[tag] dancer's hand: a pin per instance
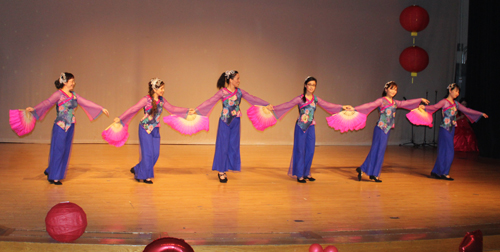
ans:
(425, 101)
(117, 120)
(422, 107)
(348, 108)
(270, 107)
(105, 111)
(192, 111)
(30, 109)
(485, 115)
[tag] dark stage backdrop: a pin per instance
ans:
(482, 73)
(115, 47)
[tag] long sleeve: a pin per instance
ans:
(329, 107)
(178, 111)
(206, 107)
(282, 109)
(91, 109)
(367, 108)
(40, 110)
(408, 104)
(473, 115)
(253, 99)
(433, 108)
(130, 113)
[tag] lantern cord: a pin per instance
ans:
(411, 80)
(413, 41)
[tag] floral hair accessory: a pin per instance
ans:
(62, 78)
(307, 78)
(229, 73)
(155, 83)
(451, 86)
(388, 84)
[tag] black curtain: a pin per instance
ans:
(483, 73)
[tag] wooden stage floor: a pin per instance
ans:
(259, 206)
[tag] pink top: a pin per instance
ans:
(145, 103)
(223, 94)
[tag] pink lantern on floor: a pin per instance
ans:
(66, 222)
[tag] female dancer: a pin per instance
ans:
(305, 134)
(227, 146)
(149, 133)
(63, 130)
(447, 129)
(387, 106)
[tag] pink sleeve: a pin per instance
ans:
(40, 110)
(178, 111)
(473, 115)
(433, 108)
(91, 109)
(253, 99)
(206, 107)
(329, 107)
(367, 108)
(130, 113)
(282, 109)
(408, 104)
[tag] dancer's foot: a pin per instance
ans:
(375, 179)
(310, 178)
(222, 177)
(301, 180)
(132, 170)
(447, 177)
(434, 175)
(358, 170)
(45, 173)
(55, 182)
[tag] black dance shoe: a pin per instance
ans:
(375, 179)
(45, 173)
(434, 175)
(132, 170)
(310, 178)
(301, 180)
(55, 183)
(222, 180)
(145, 181)
(358, 170)
(447, 178)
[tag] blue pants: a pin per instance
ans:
(60, 149)
(373, 162)
(446, 152)
(150, 151)
(227, 147)
(303, 152)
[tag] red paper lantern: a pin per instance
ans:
(66, 222)
(414, 59)
(168, 244)
(414, 19)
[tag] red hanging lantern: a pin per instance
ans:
(414, 59)
(414, 19)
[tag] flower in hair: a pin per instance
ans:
(451, 86)
(155, 83)
(388, 84)
(229, 73)
(62, 78)
(307, 78)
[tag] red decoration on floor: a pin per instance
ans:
(472, 242)
(66, 222)
(414, 19)
(168, 244)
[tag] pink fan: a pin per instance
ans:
(419, 116)
(116, 134)
(21, 121)
(347, 120)
(191, 125)
(261, 117)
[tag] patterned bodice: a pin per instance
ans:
(449, 116)
(387, 115)
(306, 113)
(66, 110)
(231, 106)
(150, 121)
